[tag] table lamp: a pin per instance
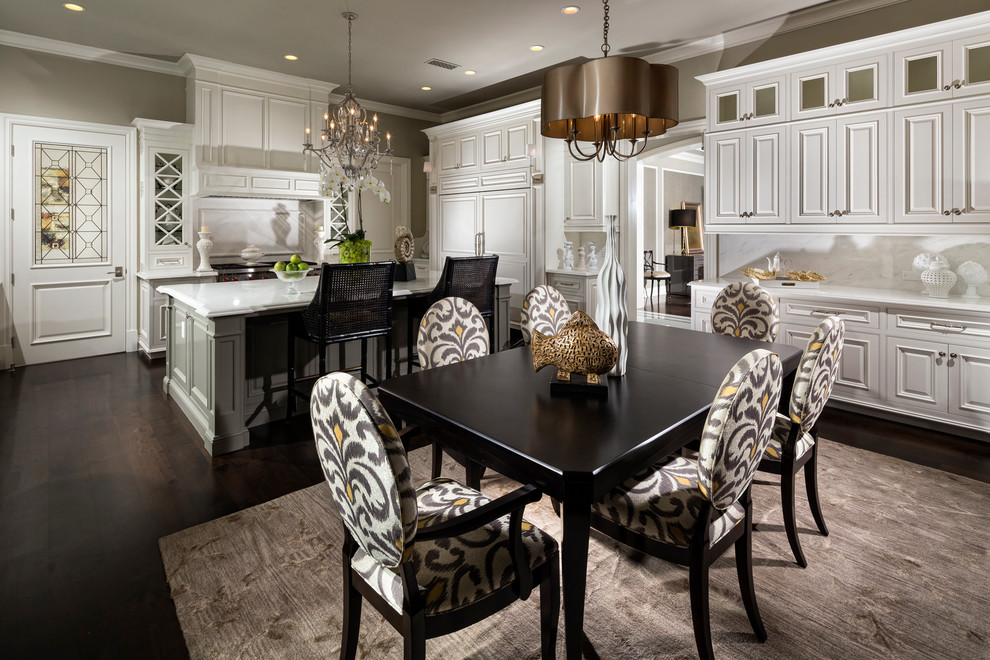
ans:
(682, 219)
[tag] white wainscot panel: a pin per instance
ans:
(70, 310)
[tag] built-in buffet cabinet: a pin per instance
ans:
(879, 135)
(486, 194)
(591, 192)
(904, 353)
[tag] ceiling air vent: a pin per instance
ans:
(442, 64)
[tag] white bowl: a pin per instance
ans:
(251, 255)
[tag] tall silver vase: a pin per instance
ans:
(610, 313)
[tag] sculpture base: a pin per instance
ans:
(405, 272)
(579, 385)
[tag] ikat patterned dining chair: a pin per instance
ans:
(543, 309)
(432, 559)
(794, 444)
(743, 309)
(689, 512)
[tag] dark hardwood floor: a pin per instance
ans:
(664, 304)
(96, 465)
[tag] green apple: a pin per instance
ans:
(279, 265)
(291, 267)
(302, 265)
(295, 258)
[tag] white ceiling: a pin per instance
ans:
(392, 38)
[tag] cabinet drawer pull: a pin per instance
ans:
(947, 326)
(825, 312)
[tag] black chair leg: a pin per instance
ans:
(437, 460)
(698, 579)
(410, 343)
(550, 611)
(787, 478)
(473, 472)
(811, 484)
(364, 361)
(352, 617)
(744, 569)
(414, 637)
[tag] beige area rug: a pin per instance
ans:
(904, 574)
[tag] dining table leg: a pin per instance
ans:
(574, 568)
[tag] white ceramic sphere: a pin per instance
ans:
(972, 272)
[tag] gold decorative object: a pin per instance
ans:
(580, 348)
(805, 276)
(758, 273)
(404, 245)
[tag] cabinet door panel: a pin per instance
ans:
(861, 169)
(491, 148)
(582, 191)
(243, 125)
(969, 384)
(766, 175)
(859, 368)
(447, 155)
(468, 151)
(916, 374)
(921, 74)
(724, 153)
(517, 143)
(812, 150)
(286, 122)
(971, 58)
(457, 225)
(812, 94)
(922, 164)
(863, 84)
(971, 161)
(505, 221)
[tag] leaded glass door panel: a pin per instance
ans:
(69, 199)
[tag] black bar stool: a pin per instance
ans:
(352, 301)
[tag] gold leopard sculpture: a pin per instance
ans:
(580, 347)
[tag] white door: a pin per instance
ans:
(69, 201)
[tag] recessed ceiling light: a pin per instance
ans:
(291, 58)
(426, 88)
(469, 72)
(570, 9)
(536, 47)
(74, 7)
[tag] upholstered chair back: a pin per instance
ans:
(543, 309)
(738, 427)
(364, 463)
(745, 310)
(452, 330)
(817, 372)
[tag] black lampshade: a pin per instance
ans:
(683, 218)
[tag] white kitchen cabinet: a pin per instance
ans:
(840, 167)
(852, 86)
(746, 176)
(941, 157)
(165, 215)
(153, 310)
(579, 288)
(740, 105)
(506, 146)
(591, 191)
(941, 70)
(458, 154)
(939, 377)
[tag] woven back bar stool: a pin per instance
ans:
(352, 302)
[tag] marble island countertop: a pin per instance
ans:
(216, 299)
(868, 295)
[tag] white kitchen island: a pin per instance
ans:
(226, 349)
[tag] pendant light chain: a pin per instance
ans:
(605, 46)
(350, 22)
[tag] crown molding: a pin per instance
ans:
(799, 20)
(88, 53)
(502, 102)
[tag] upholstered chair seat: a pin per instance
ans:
(452, 573)
(543, 309)
(743, 309)
(781, 429)
(663, 502)
(432, 559)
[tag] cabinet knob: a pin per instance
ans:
(953, 355)
(831, 215)
(941, 353)
(838, 214)
(831, 105)
(947, 87)
(946, 212)
(957, 84)
(956, 212)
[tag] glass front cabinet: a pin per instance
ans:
(747, 104)
(942, 70)
(846, 87)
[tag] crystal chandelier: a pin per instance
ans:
(350, 145)
(607, 100)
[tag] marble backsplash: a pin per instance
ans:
(275, 226)
(857, 261)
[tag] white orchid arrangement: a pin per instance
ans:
(334, 182)
(927, 261)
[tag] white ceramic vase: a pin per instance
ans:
(610, 313)
(938, 281)
(205, 246)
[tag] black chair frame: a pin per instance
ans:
(413, 622)
(787, 467)
(650, 265)
(698, 557)
(344, 308)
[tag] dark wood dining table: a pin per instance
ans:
(495, 410)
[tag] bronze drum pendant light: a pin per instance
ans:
(608, 100)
